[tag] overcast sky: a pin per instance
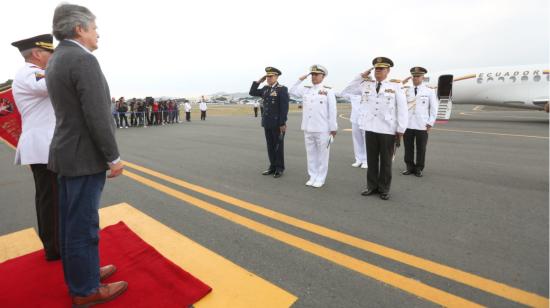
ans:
(189, 48)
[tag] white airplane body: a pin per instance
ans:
(524, 86)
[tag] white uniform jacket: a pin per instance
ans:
(385, 112)
(318, 107)
(422, 107)
(37, 115)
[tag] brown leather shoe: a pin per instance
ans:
(104, 293)
(106, 271)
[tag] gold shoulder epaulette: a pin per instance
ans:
(395, 80)
(327, 87)
(309, 87)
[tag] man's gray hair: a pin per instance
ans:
(67, 17)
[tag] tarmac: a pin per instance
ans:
(473, 230)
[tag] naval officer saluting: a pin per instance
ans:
(384, 123)
(274, 116)
(38, 123)
(318, 122)
(423, 106)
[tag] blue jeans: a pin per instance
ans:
(79, 231)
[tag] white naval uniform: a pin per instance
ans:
(202, 107)
(187, 107)
(37, 115)
(318, 120)
(422, 107)
(385, 112)
(357, 134)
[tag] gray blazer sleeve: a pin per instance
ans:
(93, 91)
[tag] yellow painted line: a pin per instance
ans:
(487, 285)
(347, 129)
(398, 281)
(232, 286)
(489, 133)
(19, 243)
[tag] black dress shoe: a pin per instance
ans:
(277, 174)
(368, 192)
(406, 172)
(384, 196)
(418, 173)
(268, 172)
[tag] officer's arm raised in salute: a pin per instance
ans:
(354, 87)
(298, 89)
(254, 91)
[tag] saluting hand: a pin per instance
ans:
(115, 169)
(366, 73)
(304, 77)
(406, 80)
(262, 79)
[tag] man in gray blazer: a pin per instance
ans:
(83, 148)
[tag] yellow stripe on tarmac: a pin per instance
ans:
(487, 285)
(489, 133)
(18, 243)
(232, 286)
(398, 281)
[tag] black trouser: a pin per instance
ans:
(140, 118)
(203, 114)
(123, 116)
(409, 137)
(188, 116)
(380, 149)
(255, 112)
(275, 149)
(47, 209)
(133, 119)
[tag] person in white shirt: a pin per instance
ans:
(357, 134)
(423, 105)
(187, 107)
(318, 122)
(385, 122)
(38, 123)
(203, 108)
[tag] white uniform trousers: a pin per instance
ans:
(359, 144)
(317, 155)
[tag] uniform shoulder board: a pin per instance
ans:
(309, 87)
(327, 87)
(406, 87)
(395, 80)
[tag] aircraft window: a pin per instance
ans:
(524, 78)
(501, 79)
(490, 79)
(480, 80)
(547, 77)
(536, 78)
(513, 78)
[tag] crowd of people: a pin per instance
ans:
(148, 112)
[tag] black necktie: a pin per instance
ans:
(378, 87)
(415, 91)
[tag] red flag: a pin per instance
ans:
(10, 119)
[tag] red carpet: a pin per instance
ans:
(153, 281)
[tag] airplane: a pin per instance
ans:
(523, 86)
